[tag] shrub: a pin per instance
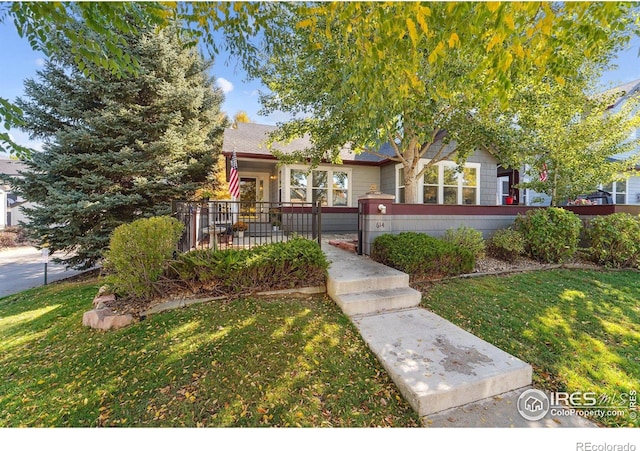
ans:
(466, 238)
(615, 240)
(240, 226)
(421, 256)
(138, 254)
(550, 234)
(297, 262)
(506, 244)
(7, 239)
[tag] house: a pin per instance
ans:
(262, 179)
(10, 203)
(622, 192)
(626, 191)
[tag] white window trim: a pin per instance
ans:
(614, 191)
(286, 182)
(441, 165)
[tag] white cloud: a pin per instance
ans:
(224, 84)
(39, 62)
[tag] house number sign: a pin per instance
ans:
(380, 225)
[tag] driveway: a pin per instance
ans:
(22, 268)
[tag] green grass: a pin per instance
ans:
(250, 362)
(580, 330)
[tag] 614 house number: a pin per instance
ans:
(380, 225)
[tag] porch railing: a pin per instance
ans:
(228, 224)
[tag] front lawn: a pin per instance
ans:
(580, 330)
(250, 362)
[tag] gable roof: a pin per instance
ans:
(11, 167)
(249, 140)
(623, 92)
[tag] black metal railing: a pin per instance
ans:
(228, 224)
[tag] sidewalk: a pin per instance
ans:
(22, 268)
(449, 376)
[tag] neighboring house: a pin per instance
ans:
(10, 203)
(622, 192)
(626, 191)
(340, 185)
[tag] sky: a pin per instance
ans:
(19, 62)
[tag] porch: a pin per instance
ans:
(210, 224)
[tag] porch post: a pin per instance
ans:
(3, 209)
(374, 210)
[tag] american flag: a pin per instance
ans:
(234, 182)
(544, 174)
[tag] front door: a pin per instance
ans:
(253, 189)
(503, 189)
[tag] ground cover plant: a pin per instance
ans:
(250, 362)
(580, 330)
(288, 264)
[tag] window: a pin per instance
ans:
(319, 187)
(443, 184)
(431, 182)
(469, 186)
(298, 186)
(618, 191)
(450, 185)
(400, 183)
(330, 186)
(340, 197)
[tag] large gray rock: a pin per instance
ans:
(105, 319)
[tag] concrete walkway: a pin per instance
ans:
(449, 376)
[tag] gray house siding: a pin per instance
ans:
(633, 193)
(362, 179)
(388, 179)
(488, 174)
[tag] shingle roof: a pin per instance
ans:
(250, 138)
(11, 167)
(623, 91)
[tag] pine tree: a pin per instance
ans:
(118, 148)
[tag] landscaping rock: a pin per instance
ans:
(105, 319)
(100, 300)
(103, 290)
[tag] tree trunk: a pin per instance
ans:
(554, 187)
(411, 185)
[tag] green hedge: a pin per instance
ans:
(506, 244)
(138, 255)
(551, 234)
(297, 262)
(421, 256)
(466, 238)
(615, 240)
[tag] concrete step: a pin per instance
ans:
(368, 302)
(351, 273)
(435, 364)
